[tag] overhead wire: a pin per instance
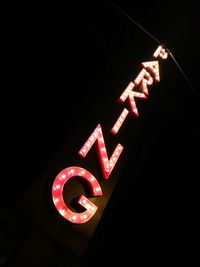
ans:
(157, 41)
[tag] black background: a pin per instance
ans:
(65, 68)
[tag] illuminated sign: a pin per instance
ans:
(146, 77)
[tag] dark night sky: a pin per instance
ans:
(54, 59)
(65, 68)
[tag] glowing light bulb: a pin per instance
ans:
(73, 218)
(97, 189)
(92, 209)
(56, 200)
(62, 212)
(83, 201)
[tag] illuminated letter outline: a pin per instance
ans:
(57, 194)
(106, 164)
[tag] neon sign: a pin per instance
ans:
(143, 80)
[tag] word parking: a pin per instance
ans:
(148, 74)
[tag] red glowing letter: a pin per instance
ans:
(160, 52)
(106, 165)
(145, 79)
(57, 190)
(153, 66)
(119, 121)
(130, 94)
